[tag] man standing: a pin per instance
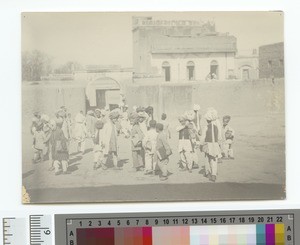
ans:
(110, 139)
(211, 146)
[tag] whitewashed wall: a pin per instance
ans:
(178, 64)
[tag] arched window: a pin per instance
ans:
(190, 68)
(214, 69)
(166, 70)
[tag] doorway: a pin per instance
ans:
(245, 74)
(214, 69)
(166, 71)
(100, 98)
(190, 71)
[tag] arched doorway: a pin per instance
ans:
(103, 92)
(214, 69)
(190, 68)
(166, 71)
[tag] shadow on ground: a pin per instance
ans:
(27, 174)
(160, 192)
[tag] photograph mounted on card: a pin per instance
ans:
(153, 106)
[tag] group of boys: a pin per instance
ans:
(51, 140)
(213, 140)
(149, 139)
(149, 143)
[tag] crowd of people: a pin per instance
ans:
(197, 135)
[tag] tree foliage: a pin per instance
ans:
(35, 64)
(68, 68)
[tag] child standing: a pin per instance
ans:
(165, 123)
(149, 144)
(137, 136)
(163, 151)
(228, 136)
(194, 138)
(47, 135)
(60, 153)
(90, 124)
(211, 146)
(98, 146)
(80, 132)
(185, 147)
(38, 142)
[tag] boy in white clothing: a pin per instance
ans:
(98, 145)
(149, 144)
(38, 143)
(228, 136)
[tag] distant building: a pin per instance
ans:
(271, 61)
(182, 50)
(246, 67)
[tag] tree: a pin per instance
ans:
(68, 68)
(35, 64)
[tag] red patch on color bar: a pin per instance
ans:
(96, 236)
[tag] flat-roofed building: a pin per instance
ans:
(181, 50)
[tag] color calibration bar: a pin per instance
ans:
(255, 229)
(270, 234)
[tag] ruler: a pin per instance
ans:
(40, 227)
(33, 230)
(14, 230)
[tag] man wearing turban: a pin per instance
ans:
(110, 138)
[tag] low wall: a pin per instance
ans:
(48, 99)
(236, 98)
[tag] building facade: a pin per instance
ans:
(246, 67)
(182, 50)
(271, 61)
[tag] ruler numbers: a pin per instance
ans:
(173, 221)
(40, 227)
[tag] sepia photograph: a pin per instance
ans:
(153, 106)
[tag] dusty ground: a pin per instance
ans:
(259, 165)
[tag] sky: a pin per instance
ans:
(106, 38)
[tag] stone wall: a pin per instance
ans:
(271, 61)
